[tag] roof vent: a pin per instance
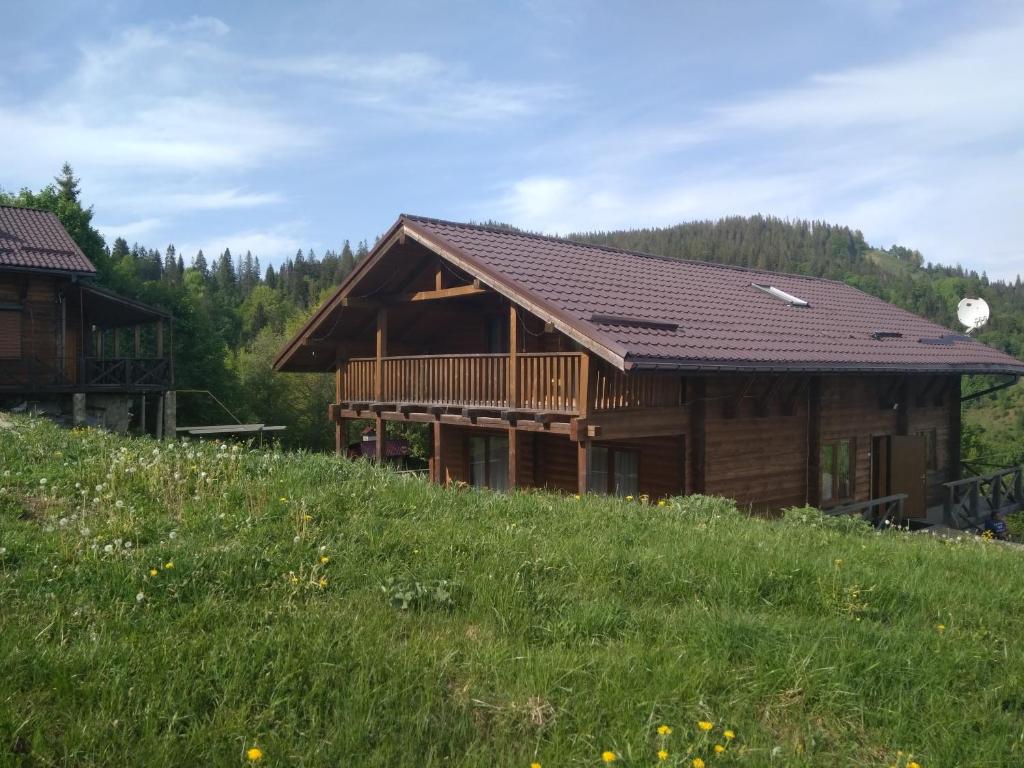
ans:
(879, 335)
(781, 295)
(635, 322)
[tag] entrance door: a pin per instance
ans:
(909, 462)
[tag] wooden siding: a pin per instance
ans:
(758, 460)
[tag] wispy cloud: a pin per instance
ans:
(906, 150)
(271, 245)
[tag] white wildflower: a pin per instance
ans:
(3, 551)
(108, 548)
(42, 481)
(140, 597)
(297, 539)
(63, 522)
(119, 504)
(173, 535)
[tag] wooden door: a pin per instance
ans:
(909, 463)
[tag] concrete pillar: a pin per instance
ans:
(78, 409)
(171, 415)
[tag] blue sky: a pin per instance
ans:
(274, 126)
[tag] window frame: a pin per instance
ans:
(491, 453)
(834, 447)
(610, 470)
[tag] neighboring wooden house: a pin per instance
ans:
(66, 343)
(542, 362)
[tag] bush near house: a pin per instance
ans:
(203, 604)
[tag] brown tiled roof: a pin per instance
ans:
(34, 239)
(663, 312)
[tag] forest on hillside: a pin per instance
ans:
(232, 315)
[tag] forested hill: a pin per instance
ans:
(897, 274)
(233, 314)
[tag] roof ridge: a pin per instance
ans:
(611, 248)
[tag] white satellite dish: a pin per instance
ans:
(972, 313)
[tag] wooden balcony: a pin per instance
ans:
(552, 388)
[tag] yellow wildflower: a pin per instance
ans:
(663, 754)
(730, 735)
(661, 502)
(913, 764)
(940, 627)
(255, 754)
(322, 582)
(629, 498)
(608, 756)
(577, 497)
(169, 565)
(664, 730)
(719, 749)
(152, 571)
(307, 518)
(282, 499)
(839, 562)
(534, 765)
(697, 763)
(325, 559)
(704, 725)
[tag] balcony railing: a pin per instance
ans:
(541, 382)
(557, 382)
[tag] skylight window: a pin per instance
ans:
(781, 295)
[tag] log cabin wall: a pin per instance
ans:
(756, 453)
(859, 408)
(39, 319)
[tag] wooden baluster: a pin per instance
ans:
(583, 399)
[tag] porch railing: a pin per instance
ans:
(969, 502)
(126, 373)
(879, 512)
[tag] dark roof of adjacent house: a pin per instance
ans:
(653, 312)
(36, 240)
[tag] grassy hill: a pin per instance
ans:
(180, 604)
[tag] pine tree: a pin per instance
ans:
(200, 265)
(67, 184)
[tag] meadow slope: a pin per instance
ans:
(180, 604)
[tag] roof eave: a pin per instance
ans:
(735, 366)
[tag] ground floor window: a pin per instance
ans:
(488, 462)
(614, 471)
(837, 471)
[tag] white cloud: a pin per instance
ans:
(210, 24)
(129, 230)
(271, 245)
(923, 151)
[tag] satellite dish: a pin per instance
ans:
(972, 313)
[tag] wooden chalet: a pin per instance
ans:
(68, 343)
(541, 362)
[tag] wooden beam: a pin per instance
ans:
(513, 458)
(439, 276)
(356, 302)
(582, 462)
(513, 355)
(380, 432)
(698, 437)
(473, 289)
(438, 466)
(584, 396)
(340, 428)
(814, 442)
(382, 351)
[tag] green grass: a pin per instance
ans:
(539, 627)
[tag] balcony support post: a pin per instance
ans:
(582, 464)
(380, 434)
(340, 425)
(438, 465)
(513, 358)
(583, 403)
(382, 351)
(513, 458)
